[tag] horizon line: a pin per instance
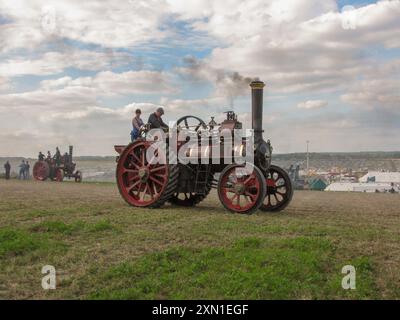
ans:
(277, 153)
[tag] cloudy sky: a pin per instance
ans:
(72, 72)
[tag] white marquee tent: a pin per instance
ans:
(382, 177)
(358, 187)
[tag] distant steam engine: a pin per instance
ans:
(57, 168)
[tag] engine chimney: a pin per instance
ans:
(257, 88)
(70, 152)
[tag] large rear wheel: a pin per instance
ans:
(41, 170)
(142, 183)
(241, 190)
(279, 190)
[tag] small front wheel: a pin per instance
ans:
(241, 189)
(279, 190)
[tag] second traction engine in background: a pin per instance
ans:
(57, 169)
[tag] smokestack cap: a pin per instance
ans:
(257, 85)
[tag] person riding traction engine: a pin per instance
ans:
(137, 124)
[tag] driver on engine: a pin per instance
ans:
(155, 120)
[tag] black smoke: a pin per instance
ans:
(230, 84)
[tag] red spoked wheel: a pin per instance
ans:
(58, 175)
(241, 190)
(142, 183)
(279, 190)
(41, 170)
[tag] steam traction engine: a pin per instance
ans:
(57, 169)
(142, 183)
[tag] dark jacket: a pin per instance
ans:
(156, 122)
(7, 166)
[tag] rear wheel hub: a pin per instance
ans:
(143, 174)
(240, 188)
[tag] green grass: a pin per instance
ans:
(60, 227)
(102, 225)
(102, 248)
(252, 268)
(14, 242)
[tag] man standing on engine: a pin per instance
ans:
(57, 157)
(156, 121)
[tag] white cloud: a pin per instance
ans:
(34, 101)
(42, 120)
(55, 62)
(312, 104)
(248, 20)
(106, 23)
(108, 83)
(66, 111)
(4, 84)
(19, 33)
(295, 45)
(134, 82)
(375, 93)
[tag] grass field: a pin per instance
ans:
(102, 249)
